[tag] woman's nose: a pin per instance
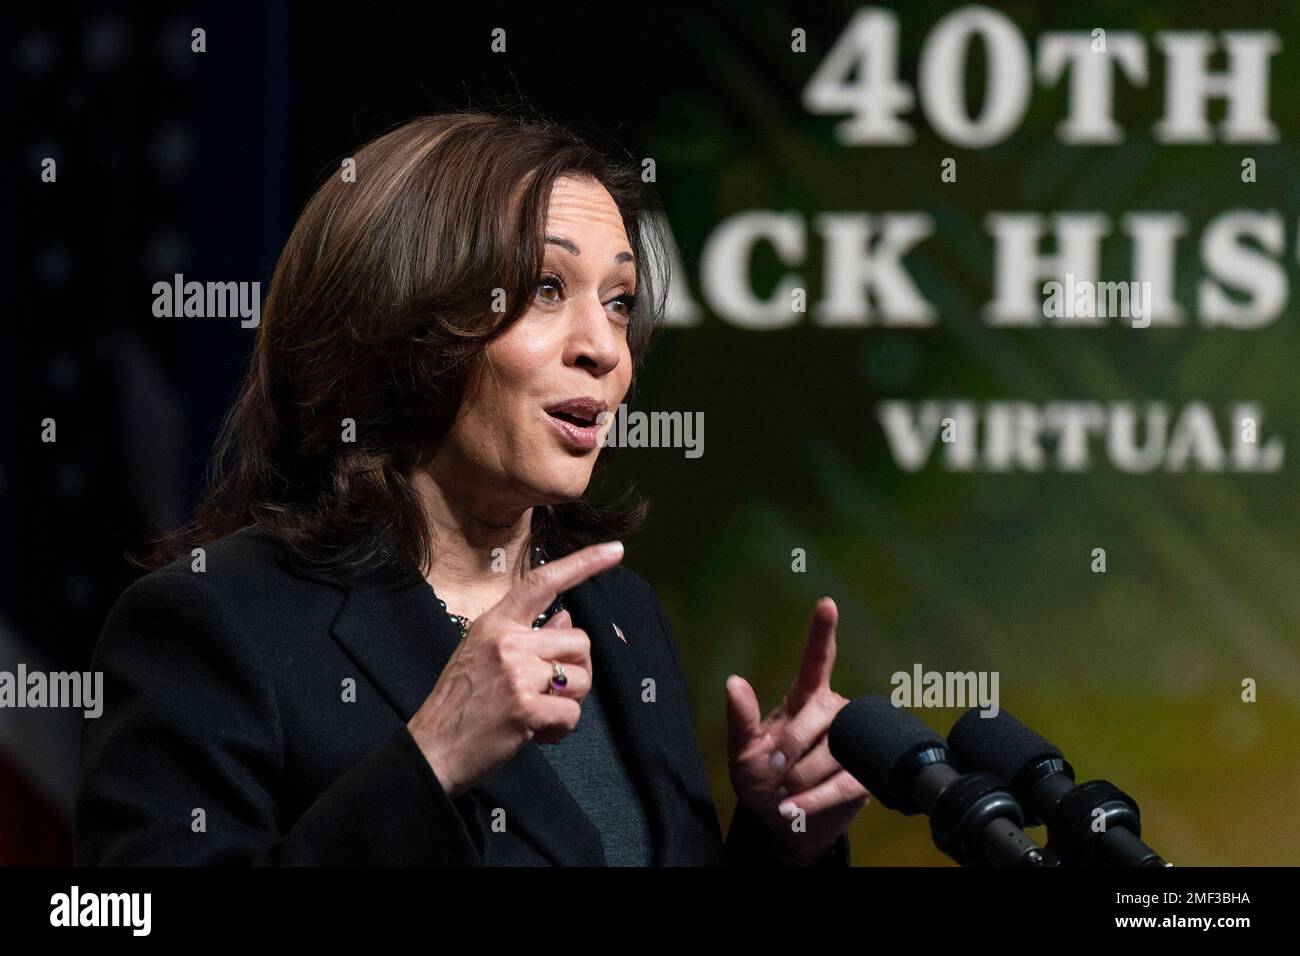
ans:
(593, 338)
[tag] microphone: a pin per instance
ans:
(1044, 781)
(974, 818)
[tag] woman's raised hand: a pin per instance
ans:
(493, 695)
(781, 765)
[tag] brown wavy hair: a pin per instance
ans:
(378, 311)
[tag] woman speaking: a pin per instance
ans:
(397, 632)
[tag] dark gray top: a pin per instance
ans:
(589, 764)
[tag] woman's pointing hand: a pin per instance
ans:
(781, 765)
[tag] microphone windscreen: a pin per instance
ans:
(870, 737)
(1001, 745)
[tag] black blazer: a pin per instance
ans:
(226, 737)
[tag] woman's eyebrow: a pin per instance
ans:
(572, 248)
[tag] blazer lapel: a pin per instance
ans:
(392, 626)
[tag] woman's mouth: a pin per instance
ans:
(577, 421)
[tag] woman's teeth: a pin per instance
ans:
(572, 419)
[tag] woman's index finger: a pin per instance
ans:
(534, 594)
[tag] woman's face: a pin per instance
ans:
(519, 438)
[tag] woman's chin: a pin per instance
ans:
(560, 489)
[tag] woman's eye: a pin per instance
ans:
(549, 288)
(624, 305)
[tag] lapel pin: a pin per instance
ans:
(619, 633)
